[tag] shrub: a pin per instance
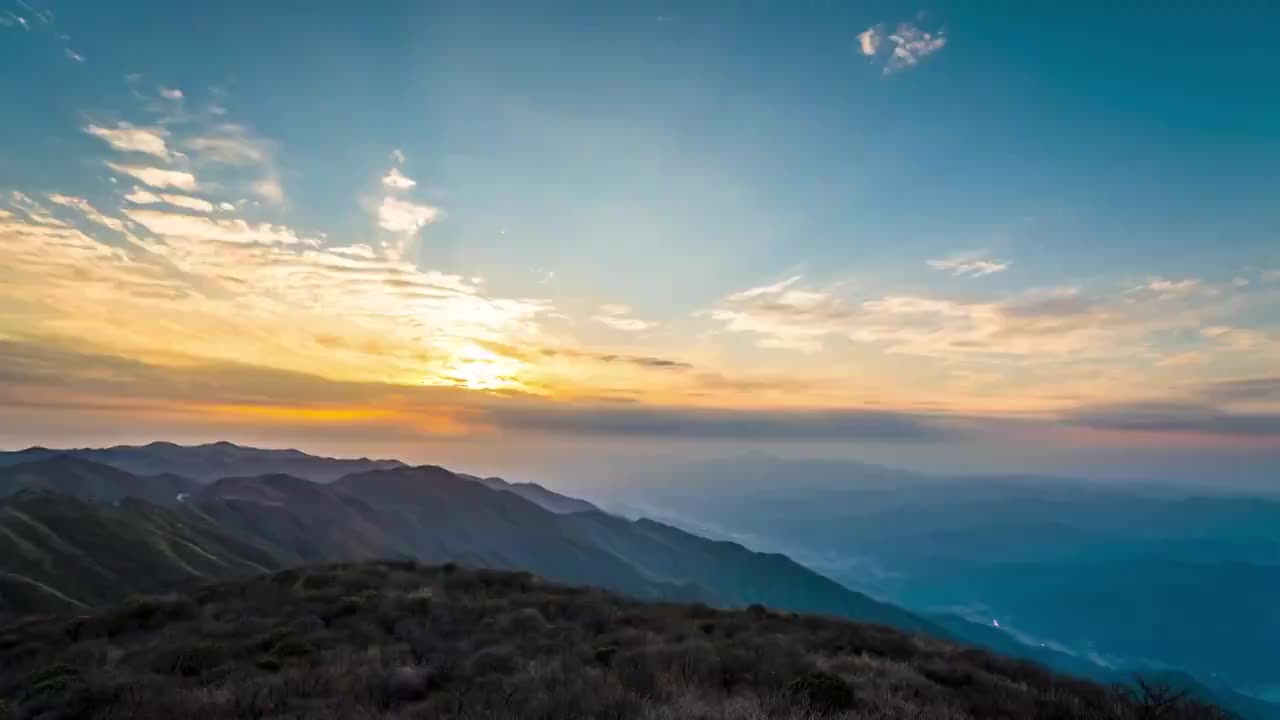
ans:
(200, 658)
(822, 691)
(292, 646)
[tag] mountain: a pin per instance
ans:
(399, 639)
(1101, 571)
(206, 463)
(89, 480)
(535, 493)
(59, 552)
(431, 514)
(737, 575)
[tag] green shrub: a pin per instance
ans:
(292, 646)
(200, 658)
(268, 663)
(823, 691)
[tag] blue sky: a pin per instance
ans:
(1036, 211)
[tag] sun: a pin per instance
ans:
(477, 368)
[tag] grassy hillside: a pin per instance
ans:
(397, 639)
(58, 551)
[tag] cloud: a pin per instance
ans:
(969, 265)
(229, 144)
(626, 324)
(398, 156)
(1176, 417)
(360, 251)
(73, 55)
(226, 207)
(1047, 324)
(1164, 289)
(157, 177)
(138, 196)
(89, 211)
(616, 317)
(1254, 389)
(203, 228)
(128, 138)
(903, 48)
(402, 216)
(869, 40)
(710, 424)
(170, 93)
(398, 181)
(269, 190)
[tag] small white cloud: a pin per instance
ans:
(189, 203)
(616, 316)
(626, 324)
(157, 177)
(402, 216)
(359, 251)
(128, 138)
(398, 156)
(870, 40)
(901, 49)
(138, 196)
(170, 93)
(1164, 289)
(229, 144)
(226, 206)
(397, 180)
(969, 265)
(268, 189)
(73, 55)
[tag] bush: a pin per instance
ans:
(822, 691)
(200, 658)
(292, 646)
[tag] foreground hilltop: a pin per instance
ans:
(400, 639)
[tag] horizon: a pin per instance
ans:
(558, 240)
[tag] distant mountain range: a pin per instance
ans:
(206, 463)
(81, 531)
(88, 527)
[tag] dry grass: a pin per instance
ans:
(392, 639)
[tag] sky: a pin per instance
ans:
(1038, 235)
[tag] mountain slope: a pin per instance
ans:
(738, 576)
(436, 515)
(535, 493)
(393, 640)
(58, 551)
(206, 463)
(91, 481)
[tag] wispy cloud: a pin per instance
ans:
(170, 93)
(402, 216)
(1165, 289)
(902, 48)
(88, 210)
(268, 189)
(618, 317)
(203, 228)
(970, 265)
(125, 137)
(229, 144)
(157, 177)
(397, 180)
(1048, 324)
(138, 196)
